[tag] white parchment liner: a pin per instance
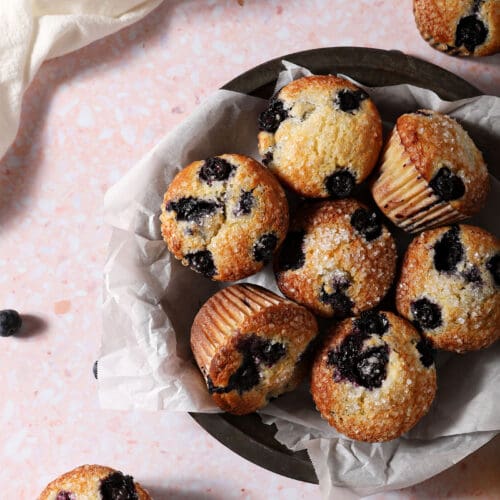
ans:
(150, 302)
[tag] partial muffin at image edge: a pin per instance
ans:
(374, 378)
(251, 346)
(321, 136)
(338, 259)
(460, 27)
(450, 287)
(224, 217)
(94, 481)
(431, 173)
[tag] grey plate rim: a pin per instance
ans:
(247, 436)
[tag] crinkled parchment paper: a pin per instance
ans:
(151, 300)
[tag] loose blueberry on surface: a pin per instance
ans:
(366, 368)
(472, 275)
(264, 247)
(471, 32)
(292, 255)
(367, 223)
(427, 315)
(10, 322)
(372, 322)
(117, 486)
(448, 251)
(424, 347)
(215, 169)
(340, 184)
(202, 262)
(493, 266)
(341, 304)
(94, 369)
(245, 203)
(192, 209)
(271, 118)
(447, 185)
(349, 100)
(65, 495)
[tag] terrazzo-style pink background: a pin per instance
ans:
(87, 118)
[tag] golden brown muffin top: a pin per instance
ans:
(374, 377)
(460, 27)
(320, 136)
(450, 287)
(338, 258)
(446, 157)
(225, 216)
(92, 482)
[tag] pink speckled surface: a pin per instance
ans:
(86, 119)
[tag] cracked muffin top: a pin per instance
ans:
(374, 377)
(460, 27)
(320, 135)
(338, 258)
(450, 287)
(224, 217)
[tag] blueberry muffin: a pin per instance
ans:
(431, 174)
(338, 258)
(224, 217)
(94, 482)
(320, 135)
(374, 378)
(251, 345)
(450, 287)
(460, 27)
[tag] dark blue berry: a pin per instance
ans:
(493, 266)
(94, 369)
(65, 495)
(472, 275)
(349, 100)
(372, 322)
(471, 32)
(341, 304)
(292, 254)
(245, 204)
(424, 347)
(215, 169)
(366, 368)
(340, 184)
(271, 118)
(202, 262)
(261, 350)
(10, 322)
(447, 185)
(263, 249)
(268, 158)
(427, 315)
(367, 223)
(192, 209)
(448, 251)
(117, 486)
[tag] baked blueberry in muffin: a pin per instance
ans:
(431, 174)
(449, 287)
(460, 27)
(94, 482)
(320, 135)
(251, 346)
(374, 378)
(338, 258)
(224, 217)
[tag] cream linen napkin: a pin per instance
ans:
(32, 31)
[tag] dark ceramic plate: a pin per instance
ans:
(248, 436)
